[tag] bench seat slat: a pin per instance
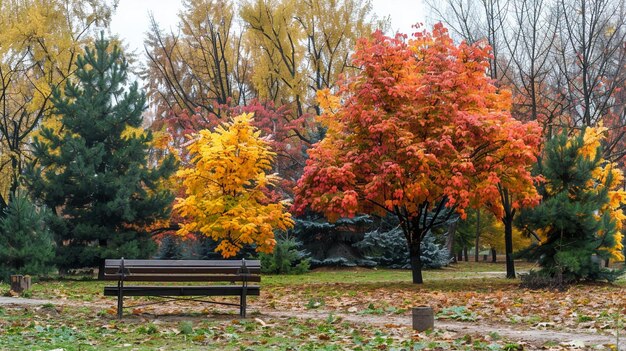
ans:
(183, 263)
(180, 270)
(181, 278)
(227, 290)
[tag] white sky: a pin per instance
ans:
(131, 17)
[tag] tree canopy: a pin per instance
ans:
(419, 133)
(226, 186)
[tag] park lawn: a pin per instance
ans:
(48, 327)
(316, 307)
(462, 294)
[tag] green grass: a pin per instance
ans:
(454, 278)
(376, 277)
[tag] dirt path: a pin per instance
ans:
(577, 340)
(580, 340)
(23, 301)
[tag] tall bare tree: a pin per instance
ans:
(202, 66)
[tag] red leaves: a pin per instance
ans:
(421, 122)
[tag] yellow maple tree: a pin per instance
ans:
(39, 43)
(225, 189)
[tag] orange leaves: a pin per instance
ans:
(226, 187)
(421, 123)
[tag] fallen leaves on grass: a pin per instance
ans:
(582, 307)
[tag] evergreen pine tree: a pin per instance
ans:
(26, 245)
(573, 221)
(170, 248)
(287, 258)
(94, 172)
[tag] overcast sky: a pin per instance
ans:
(131, 18)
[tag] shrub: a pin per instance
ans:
(389, 249)
(26, 244)
(331, 244)
(287, 258)
(536, 280)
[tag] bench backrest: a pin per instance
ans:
(183, 270)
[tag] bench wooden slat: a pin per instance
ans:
(228, 290)
(182, 278)
(180, 270)
(183, 263)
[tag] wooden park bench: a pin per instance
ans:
(238, 273)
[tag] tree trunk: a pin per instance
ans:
(606, 263)
(416, 263)
(494, 256)
(101, 269)
(465, 253)
(459, 256)
(102, 243)
(477, 243)
(450, 239)
(508, 243)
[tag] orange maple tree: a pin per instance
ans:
(420, 133)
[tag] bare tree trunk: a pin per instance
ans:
(450, 240)
(508, 241)
(477, 243)
(416, 263)
(494, 255)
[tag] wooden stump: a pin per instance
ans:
(20, 283)
(423, 318)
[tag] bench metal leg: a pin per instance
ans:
(242, 304)
(120, 300)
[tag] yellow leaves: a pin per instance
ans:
(591, 140)
(130, 132)
(39, 41)
(226, 187)
(328, 101)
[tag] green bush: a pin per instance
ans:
(287, 258)
(26, 244)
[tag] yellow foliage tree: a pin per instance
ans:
(489, 233)
(225, 189)
(302, 47)
(39, 43)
